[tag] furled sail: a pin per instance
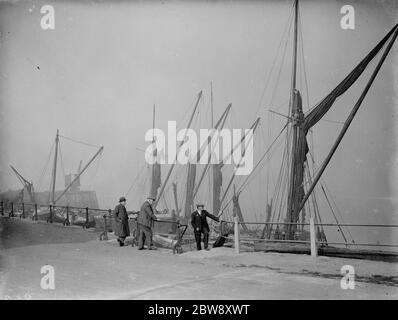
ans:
(323, 107)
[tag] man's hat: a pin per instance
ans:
(121, 199)
(200, 205)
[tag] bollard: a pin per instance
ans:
(314, 250)
(35, 216)
(237, 235)
(2, 208)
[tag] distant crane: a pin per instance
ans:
(28, 186)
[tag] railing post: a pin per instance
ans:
(23, 211)
(35, 216)
(50, 219)
(237, 235)
(67, 221)
(2, 208)
(314, 250)
(86, 223)
(71, 218)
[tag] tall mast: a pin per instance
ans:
(153, 141)
(179, 146)
(294, 64)
(54, 172)
(293, 116)
(212, 179)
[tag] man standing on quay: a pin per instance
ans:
(122, 229)
(200, 225)
(145, 220)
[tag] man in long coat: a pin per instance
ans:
(122, 229)
(200, 225)
(145, 221)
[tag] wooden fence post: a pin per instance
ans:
(314, 250)
(237, 235)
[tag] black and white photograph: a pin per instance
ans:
(198, 156)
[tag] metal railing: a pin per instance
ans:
(68, 217)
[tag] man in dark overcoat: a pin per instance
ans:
(122, 229)
(145, 222)
(200, 225)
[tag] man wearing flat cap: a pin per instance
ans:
(200, 225)
(145, 221)
(122, 229)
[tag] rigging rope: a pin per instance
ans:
(45, 167)
(80, 142)
(60, 157)
(262, 157)
(275, 59)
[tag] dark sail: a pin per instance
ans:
(305, 123)
(323, 107)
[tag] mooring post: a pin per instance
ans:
(314, 250)
(67, 221)
(35, 216)
(237, 235)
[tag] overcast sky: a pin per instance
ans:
(97, 75)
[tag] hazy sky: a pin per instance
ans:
(97, 75)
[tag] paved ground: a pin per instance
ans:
(86, 268)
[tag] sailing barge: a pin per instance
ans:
(294, 197)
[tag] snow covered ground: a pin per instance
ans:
(86, 268)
